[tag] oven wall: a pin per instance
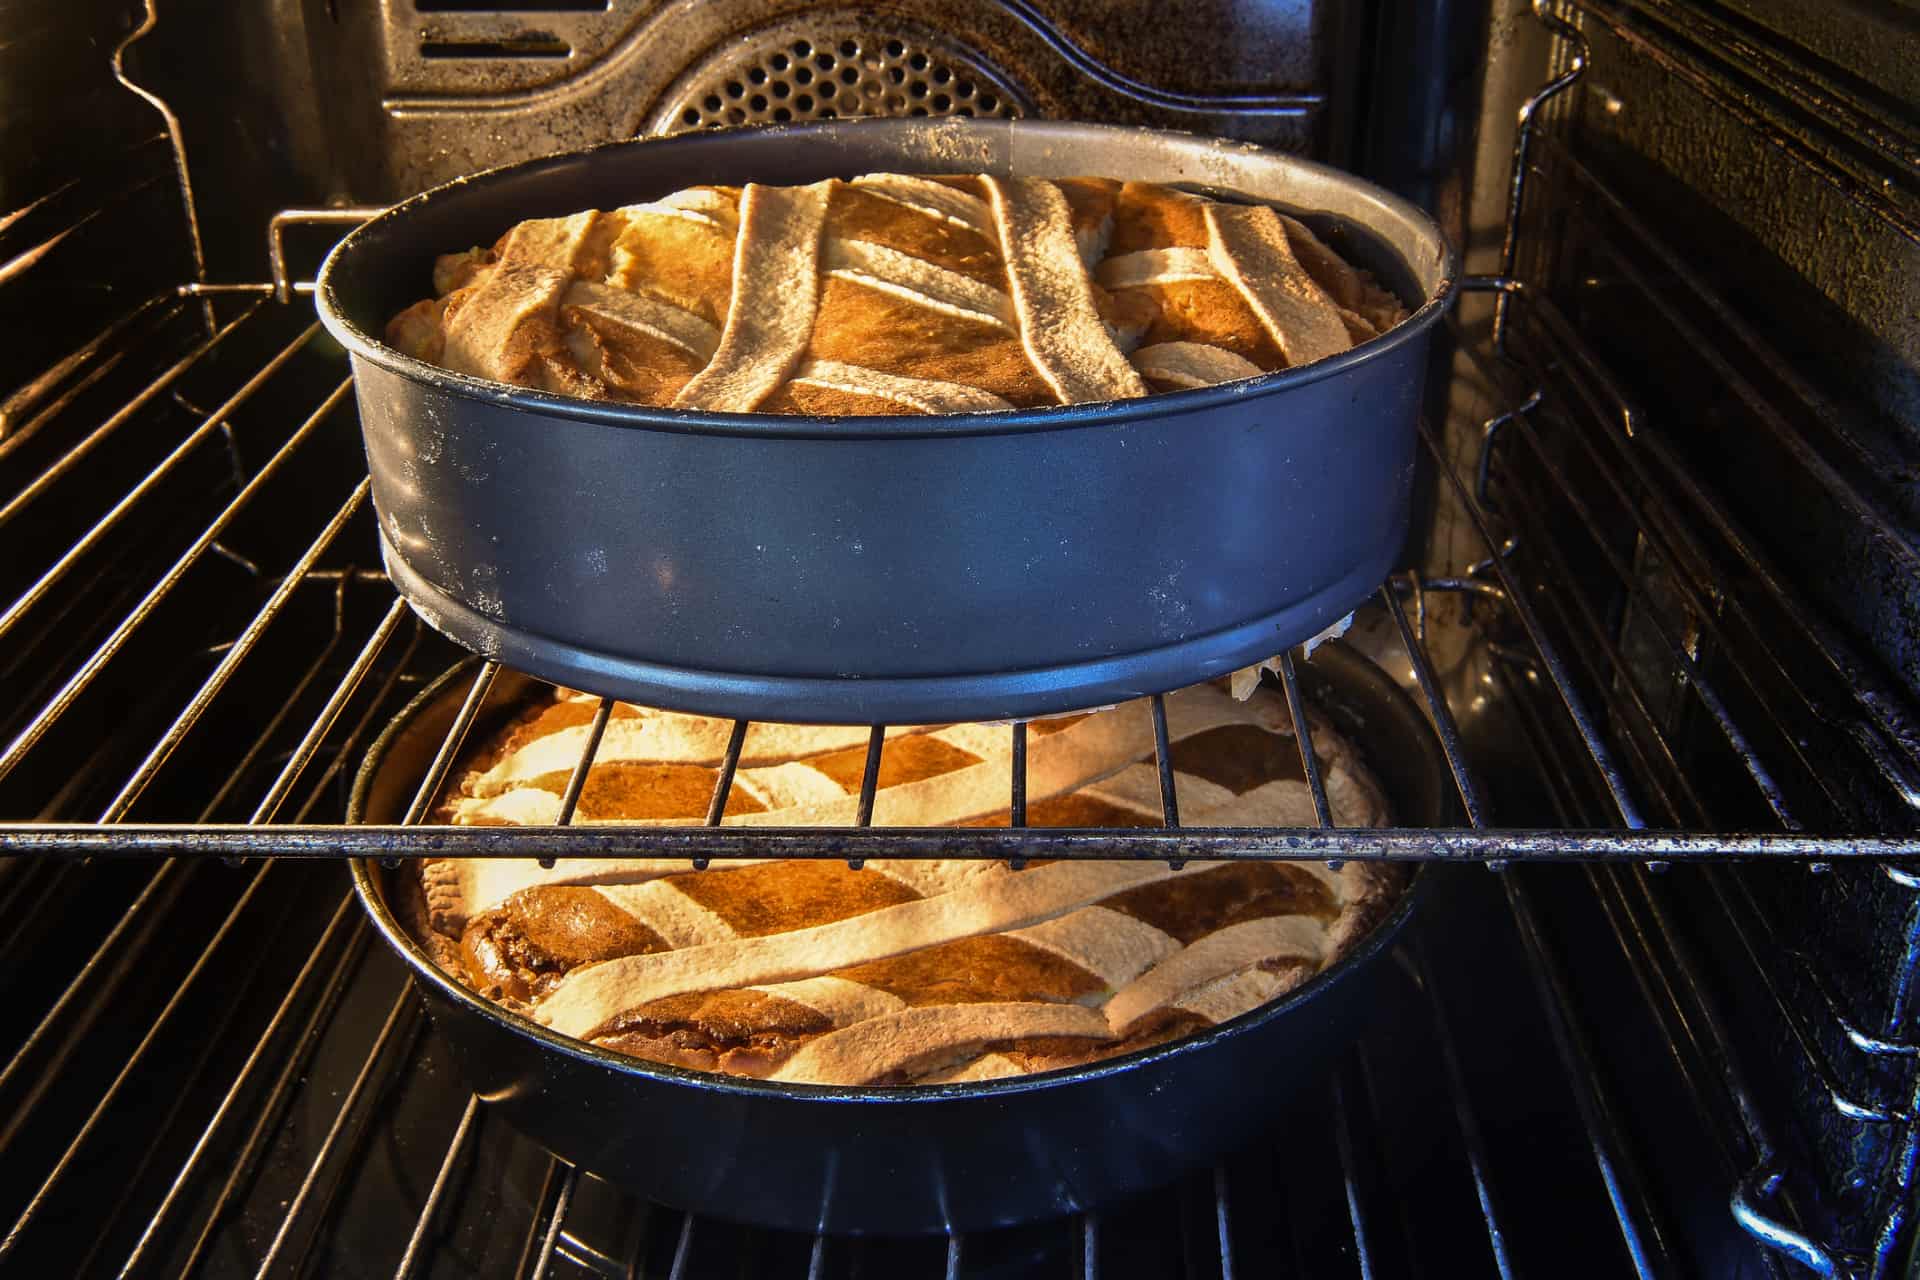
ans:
(90, 209)
(1724, 209)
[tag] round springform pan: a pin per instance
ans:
(888, 569)
(920, 1159)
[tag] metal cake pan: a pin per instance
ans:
(920, 1159)
(881, 569)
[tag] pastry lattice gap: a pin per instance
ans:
(789, 75)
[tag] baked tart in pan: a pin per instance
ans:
(903, 972)
(896, 293)
(799, 419)
(705, 1098)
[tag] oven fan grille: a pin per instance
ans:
(806, 71)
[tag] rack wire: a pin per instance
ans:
(1605, 735)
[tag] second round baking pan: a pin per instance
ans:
(888, 570)
(921, 1159)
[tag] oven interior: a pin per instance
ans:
(1657, 1018)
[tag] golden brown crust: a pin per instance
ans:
(1102, 958)
(889, 294)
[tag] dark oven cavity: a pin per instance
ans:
(1654, 1015)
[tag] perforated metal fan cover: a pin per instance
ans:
(810, 70)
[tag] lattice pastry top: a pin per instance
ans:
(904, 971)
(895, 294)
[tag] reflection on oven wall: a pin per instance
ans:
(1721, 211)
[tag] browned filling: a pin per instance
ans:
(642, 791)
(1190, 907)
(529, 942)
(777, 897)
(988, 969)
(521, 949)
(904, 759)
(1239, 757)
(743, 1032)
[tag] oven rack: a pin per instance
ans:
(1609, 730)
(374, 651)
(1874, 720)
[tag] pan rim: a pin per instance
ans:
(368, 887)
(369, 347)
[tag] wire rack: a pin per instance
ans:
(200, 448)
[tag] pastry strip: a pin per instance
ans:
(670, 324)
(1192, 364)
(458, 889)
(1249, 249)
(879, 1046)
(915, 280)
(1111, 945)
(1220, 953)
(1233, 995)
(667, 737)
(1060, 326)
(678, 919)
(922, 395)
(776, 292)
(844, 1002)
(934, 199)
(1146, 267)
(589, 996)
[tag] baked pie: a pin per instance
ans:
(896, 294)
(902, 972)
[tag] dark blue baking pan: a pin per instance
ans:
(922, 1159)
(882, 569)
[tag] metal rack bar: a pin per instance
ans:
(402, 1021)
(236, 653)
(98, 357)
(1873, 697)
(1223, 1221)
(88, 670)
(562, 1201)
(297, 1225)
(1437, 844)
(1523, 137)
(209, 425)
(729, 765)
(870, 775)
(120, 417)
(129, 1069)
(1356, 1205)
(1620, 1173)
(1659, 774)
(1303, 738)
(1463, 1112)
(577, 780)
(1163, 758)
(280, 1093)
(1583, 719)
(682, 1250)
(341, 928)
(1443, 721)
(1626, 1186)
(271, 731)
(1702, 686)
(1017, 784)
